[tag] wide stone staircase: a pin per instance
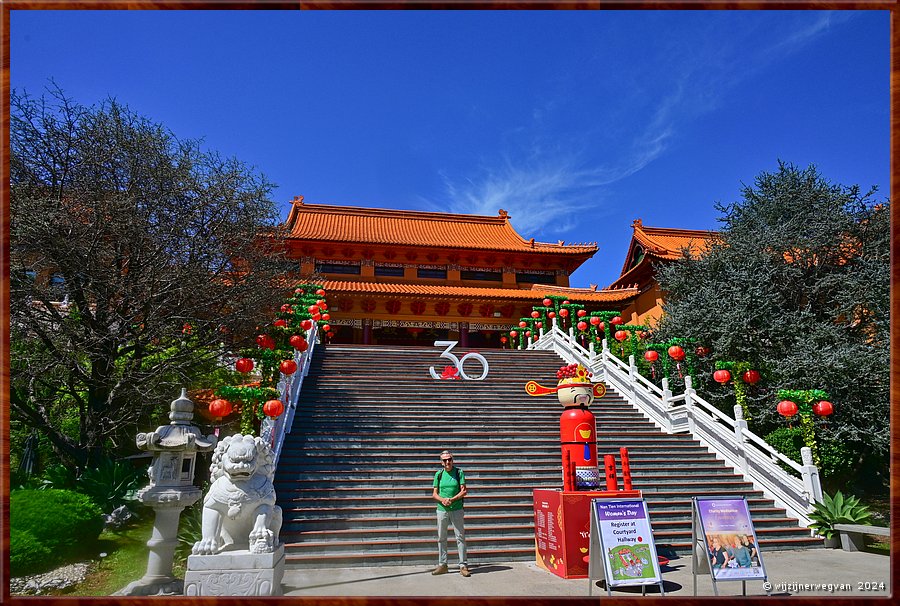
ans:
(354, 479)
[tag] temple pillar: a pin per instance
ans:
(463, 334)
(367, 331)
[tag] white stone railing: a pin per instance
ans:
(729, 438)
(275, 430)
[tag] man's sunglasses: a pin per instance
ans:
(446, 460)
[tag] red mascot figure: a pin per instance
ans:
(577, 427)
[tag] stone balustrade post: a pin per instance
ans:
(632, 379)
(811, 483)
(689, 401)
(739, 426)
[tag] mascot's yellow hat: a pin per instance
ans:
(573, 375)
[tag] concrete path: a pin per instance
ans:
(811, 572)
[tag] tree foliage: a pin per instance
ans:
(797, 285)
(133, 253)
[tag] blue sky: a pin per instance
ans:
(574, 122)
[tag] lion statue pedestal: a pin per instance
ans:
(239, 553)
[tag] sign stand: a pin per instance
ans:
(621, 533)
(715, 522)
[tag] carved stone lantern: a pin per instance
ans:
(174, 447)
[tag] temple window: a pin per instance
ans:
(338, 268)
(389, 270)
(487, 276)
(533, 278)
(439, 273)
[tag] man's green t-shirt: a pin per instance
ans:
(450, 485)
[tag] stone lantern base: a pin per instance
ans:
(235, 573)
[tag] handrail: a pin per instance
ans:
(275, 430)
(728, 437)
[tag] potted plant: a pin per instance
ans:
(837, 510)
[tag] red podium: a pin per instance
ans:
(562, 528)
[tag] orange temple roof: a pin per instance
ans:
(537, 291)
(416, 228)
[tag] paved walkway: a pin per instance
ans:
(811, 572)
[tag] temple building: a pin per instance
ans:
(649, 248)
(406, 277)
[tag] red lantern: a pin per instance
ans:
(285, 308)
(566, 302)
(321, 303)
(595, 320)
(273, 408)
(651, 356)
(321, 292)
(326, 317)
(298, 291)
(564, 313)
(326, 327)
(288, 367)
(317, 317)
(617, 320)
(722, 376)
(582, 326)
(538, 324)
(306, 324)
(702, 351)
(551, 315)
(676, 353)
(581, 313)
(279, 323)
(265, 341)
(220, 408)
(299, 343)
(750, 377)
(503, 339)
(527, 333)
(313, 309)
(786, 408)
(535, 314)
(547, 302)
(823, 408)
(523, 324)
(513, 334)
(329, 334)
(621, 335)
(243, 365)
(601, 327)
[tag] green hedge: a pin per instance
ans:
(58, 521)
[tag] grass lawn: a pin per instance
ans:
(126, 560)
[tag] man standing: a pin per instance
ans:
(449, 491)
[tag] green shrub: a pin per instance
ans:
(838, 510)
(60, 520)
(836, 459)
(111, 483)
(26, 553)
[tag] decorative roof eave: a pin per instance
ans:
(632, 277)
(483, 232)
(646, 237)
(537, 291)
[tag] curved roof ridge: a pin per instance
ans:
(500, 219)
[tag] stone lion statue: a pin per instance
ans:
(239, 511)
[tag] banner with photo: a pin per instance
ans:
(729, 539)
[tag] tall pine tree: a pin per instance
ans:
(797, 284)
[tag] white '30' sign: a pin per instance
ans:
(458, 362)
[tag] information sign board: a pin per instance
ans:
(622, 544)
(728, 540)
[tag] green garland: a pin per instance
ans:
(737, 369)
(804, 399)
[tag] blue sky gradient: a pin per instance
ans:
(574, 122)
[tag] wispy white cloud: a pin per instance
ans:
(547, 188)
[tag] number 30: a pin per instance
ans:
(458, 362)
